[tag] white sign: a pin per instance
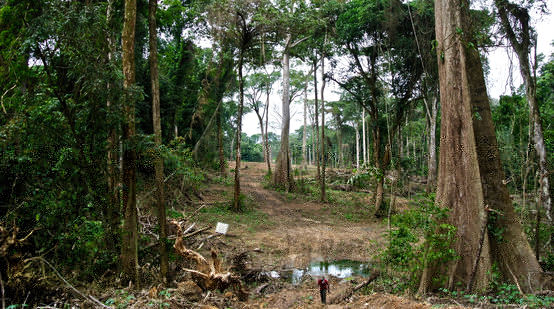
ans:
(221, 228)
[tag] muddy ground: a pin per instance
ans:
(286, 231)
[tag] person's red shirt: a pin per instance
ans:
(323, 284)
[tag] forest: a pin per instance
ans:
(131, 177)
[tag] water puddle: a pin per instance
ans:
(340, 269)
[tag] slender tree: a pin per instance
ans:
(157, 125)
(245, 31)
(323, 141)
(129, 239)
(112, 145)
(514, 20)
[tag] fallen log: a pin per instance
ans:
(349, 291)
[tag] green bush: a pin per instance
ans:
(404, 251)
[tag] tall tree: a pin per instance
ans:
(157, 125)
(367, 32)
(290, 23)
(129, 239)
(305, 127)
(469, 158)
(112, 145)
(245, 31)
(515, 20)
(323, 141)
(257, 85)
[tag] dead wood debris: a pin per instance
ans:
(209, 275)
(348, 292)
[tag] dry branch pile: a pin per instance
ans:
(209, 275)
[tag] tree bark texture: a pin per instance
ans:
(305, 130)
(432, 147)
(282, 175)
(113, 172)
(357, 127)
(129, 237)
(267, 147)
(511, 251)
(364, 138)
(265, 136)
(222, 170)
(380, 209)
(236, 196)
(317, 151)
(459, 183)
(323, 151)
(470, 174)
(157, 125)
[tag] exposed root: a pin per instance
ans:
(210, 275)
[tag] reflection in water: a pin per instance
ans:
(340, 269)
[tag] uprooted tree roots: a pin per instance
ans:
(209, 275)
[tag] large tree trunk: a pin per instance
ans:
(459, 185)
(282, 176)
(323, 152)
(129, 237)
(236, 196)
(432, 162)
(511, 251)
(469, 159)
(521, 43)
(157, 125)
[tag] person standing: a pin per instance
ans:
(323, 289)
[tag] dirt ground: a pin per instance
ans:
(301, 232)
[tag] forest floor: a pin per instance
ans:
(284, 231)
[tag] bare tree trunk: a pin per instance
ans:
(469, 158)
(458, 158)
(364, 145)
(357, 146)
(400, 143)
(340, 159)
(519, 36)
(432, 162)
(305, 131)
(265, 137)
(380, 209)
(323, 151)
(317, 151)
(236, 197)
(113, 208)
(267, 146)
(129, 237)
(175, 126)
(231, 149)
(222, 170)
(157, 124)
(282, 176)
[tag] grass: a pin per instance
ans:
(250, 218)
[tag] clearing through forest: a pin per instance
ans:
(292, 231)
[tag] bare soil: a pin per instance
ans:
(301, 231)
